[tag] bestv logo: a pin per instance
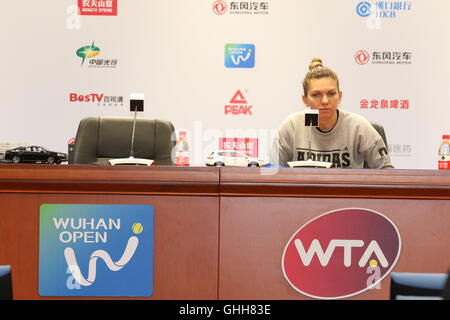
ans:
(239, 55)
(96, 250)
(341, 253)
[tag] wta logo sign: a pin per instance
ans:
(96, 250)
(341, 253)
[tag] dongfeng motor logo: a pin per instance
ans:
(362, 57)
(219, 7)
(341, 253)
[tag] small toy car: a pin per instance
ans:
(232, 158)
(34, 154)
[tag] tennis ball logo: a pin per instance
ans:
(137, 228)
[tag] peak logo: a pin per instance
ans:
(96, 250)
(331, 256)
(238, 105)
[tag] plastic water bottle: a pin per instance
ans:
(182, 154)
(444, 153)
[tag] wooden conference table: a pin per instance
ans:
(220, 232)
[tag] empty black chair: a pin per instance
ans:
(446, 291)
(417, 286)
(6, 292)
(100, 139)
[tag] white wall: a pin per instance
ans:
(173, 52)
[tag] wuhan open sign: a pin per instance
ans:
(96, 250)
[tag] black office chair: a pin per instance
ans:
(417, 286)
(382, 133)
(100, 139)
(446, 291)
(6, 292)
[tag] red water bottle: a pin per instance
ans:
(444, 153)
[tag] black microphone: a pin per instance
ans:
(136, 105)
(311, 120)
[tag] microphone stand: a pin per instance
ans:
(310, 134)
(131, 160)
(311, 120)
(132, 135)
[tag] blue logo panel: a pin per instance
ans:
(239, 55)
(96, 250)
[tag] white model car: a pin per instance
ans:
(232, 158)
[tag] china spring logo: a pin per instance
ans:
(127, 255)
(330, 256)
(88, 52)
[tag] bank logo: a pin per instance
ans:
(239, 55)
(383, 9)
(96, 250)
(353, 256)
(363, 9)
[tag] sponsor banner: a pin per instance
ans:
(96, 250)
(238, 105)
(400, 150)
(363, 57)
(99, 98)
(383, 9)
(97, 7)
(249, 146)
(341, 253)
(385, 104)
(221, 7)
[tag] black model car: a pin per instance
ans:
(34, 154)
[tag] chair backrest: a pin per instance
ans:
(417, 286)
(6, 292)
(446, 290)
(382, 133)
(100, 139)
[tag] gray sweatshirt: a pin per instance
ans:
(352, 140)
